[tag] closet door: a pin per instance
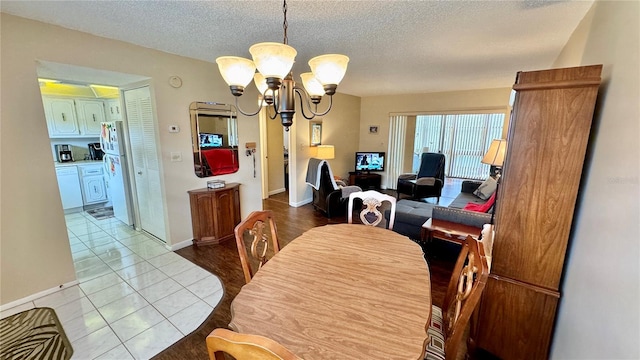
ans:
(145, 161)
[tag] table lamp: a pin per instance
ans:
(325, 152)
(495, 157)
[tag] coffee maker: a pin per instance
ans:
(64, 153)
(95, 151)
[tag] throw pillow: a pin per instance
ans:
(481, 207)
(486, 189)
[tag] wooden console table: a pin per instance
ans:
(366, 181)
(214, 214)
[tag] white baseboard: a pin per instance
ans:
(37, 295)
(180, 245)
(277, 191)
(300, 203)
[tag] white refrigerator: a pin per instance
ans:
(116, 170)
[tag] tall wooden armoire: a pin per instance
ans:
(548, 135)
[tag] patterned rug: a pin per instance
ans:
(34, 334)
(101, 213)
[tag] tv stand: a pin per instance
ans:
(366, 180)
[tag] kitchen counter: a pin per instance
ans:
(75, 163)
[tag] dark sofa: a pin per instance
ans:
(410, 215)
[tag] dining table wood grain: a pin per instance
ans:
(341, 291)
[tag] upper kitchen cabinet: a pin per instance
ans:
(90, 115)
(61, 117)
(114, 109)
(68, 117)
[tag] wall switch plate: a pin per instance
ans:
(174, 128)
(176, 156)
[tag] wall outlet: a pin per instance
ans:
(176, 156)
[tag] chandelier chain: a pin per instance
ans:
(285, 25)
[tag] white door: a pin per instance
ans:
(145, 160)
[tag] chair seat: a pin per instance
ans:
(435, 346)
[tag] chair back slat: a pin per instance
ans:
(245, 346)
(468, 280)
(260, 226)
(370, 213)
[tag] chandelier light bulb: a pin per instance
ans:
(273, 60)
(261, 82)
(311, 84)
(329, 69)
(236, 71)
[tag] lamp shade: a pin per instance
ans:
(330, 68)
(495, 154)
(325, 152)
(273, 59)
(261, 82)
(311, 84)
(236, 71)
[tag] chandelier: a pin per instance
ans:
(274, 78)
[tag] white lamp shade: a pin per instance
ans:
(330, 68)
(325, 152)
(311, 84)
(236, 71)
(261, 82)
(495, 154)
(273, 59)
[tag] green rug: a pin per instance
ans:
(34, 334)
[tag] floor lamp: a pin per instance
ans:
(495, 157)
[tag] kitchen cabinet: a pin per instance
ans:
(90, 115)
(214, 214)
(535, 203)
(61, 117)
(93, 186)
(69, 118)
(114, 109)
(69, 186)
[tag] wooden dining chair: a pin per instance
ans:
(245, 346)
(448, 324)
(371, 202)
(255, 225)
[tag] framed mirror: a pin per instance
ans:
(214, 138)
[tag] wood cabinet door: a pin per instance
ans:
(516, 319)
(203, 213)
(225, 214)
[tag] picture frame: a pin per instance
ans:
(315, 133)
(373, 129)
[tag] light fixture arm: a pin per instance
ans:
(306, 99)
(249, 113)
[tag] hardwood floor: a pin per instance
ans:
(223, 261)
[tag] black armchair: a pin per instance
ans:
(328, 196)
(429, 180)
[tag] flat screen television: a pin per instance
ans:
(369, 161)
(208, 140)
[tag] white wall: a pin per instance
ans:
(34, 251)
(599, 314)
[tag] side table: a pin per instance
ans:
(447, 230)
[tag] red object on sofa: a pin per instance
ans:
(221, 161)
(481, 207)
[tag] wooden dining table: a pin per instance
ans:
(341, 292)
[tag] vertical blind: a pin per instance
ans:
(395, 154)
(462, 138)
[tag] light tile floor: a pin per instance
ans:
(134, 299)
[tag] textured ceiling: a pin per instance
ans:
(396, 47)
